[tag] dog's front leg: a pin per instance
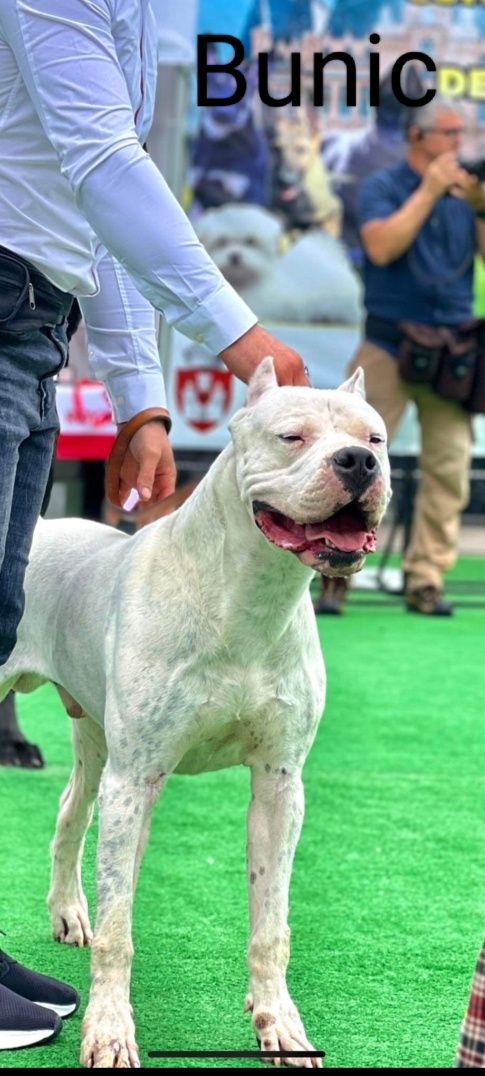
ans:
(274, 825)
(108, 1028)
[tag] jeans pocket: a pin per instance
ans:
(47, 390)
(58, 338)
(15, 288)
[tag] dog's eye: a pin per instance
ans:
(290, 437)
(376, 439)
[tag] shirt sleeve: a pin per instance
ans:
(375, 200)
(68, 60)
(122, 344)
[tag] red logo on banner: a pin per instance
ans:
(80, 413)
(204, 396)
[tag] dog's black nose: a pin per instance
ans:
(356, 467)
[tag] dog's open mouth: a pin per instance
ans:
(341, 540)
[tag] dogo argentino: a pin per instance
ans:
(192, 646)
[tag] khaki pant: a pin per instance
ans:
(446, 439)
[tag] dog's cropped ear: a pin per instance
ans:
(264, 378)
(356, 383)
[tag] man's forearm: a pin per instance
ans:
(385, 240)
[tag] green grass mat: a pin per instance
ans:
(388, 892)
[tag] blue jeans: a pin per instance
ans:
(28, 432)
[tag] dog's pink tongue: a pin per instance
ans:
(347, 539)
(288, 535)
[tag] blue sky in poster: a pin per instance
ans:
(358, 17)
(217, 16)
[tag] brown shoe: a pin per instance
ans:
(428, 600)
(331, 599)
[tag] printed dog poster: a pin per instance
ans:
(271, 188)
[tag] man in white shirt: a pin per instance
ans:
(84, 212)
(83, 204)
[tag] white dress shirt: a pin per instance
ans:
(82, 201)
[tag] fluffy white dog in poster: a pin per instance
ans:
(311, 281)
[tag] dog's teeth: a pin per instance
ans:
(330, 544)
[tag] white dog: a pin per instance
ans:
(192, 646)
(311, 281)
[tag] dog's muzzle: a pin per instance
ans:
(338, 543)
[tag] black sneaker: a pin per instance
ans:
(25, 1024)
(41, 989)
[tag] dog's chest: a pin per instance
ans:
(243, 713)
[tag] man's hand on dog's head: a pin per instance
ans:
(148, 465)
(242, 357)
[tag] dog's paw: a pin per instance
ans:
(110, 1054)
(109, 1039)
(70, 924)
(279, 1029)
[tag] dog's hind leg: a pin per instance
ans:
(66, 900)
(274, 825)
(125, 801)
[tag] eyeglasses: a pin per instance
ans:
(447, 132)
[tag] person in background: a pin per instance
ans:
(15, 749)
(471, 1046)
(84, 212)
(421, 222)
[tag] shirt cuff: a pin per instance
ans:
(134, 392)
(218, 321)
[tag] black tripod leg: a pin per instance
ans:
(15, 750)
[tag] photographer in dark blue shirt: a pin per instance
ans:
(421, 224)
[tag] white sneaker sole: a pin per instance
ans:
(12, 1040)
(60, 1010)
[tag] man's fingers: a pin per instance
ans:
(302, 378)
(146, 475)
(165, 488)
(296, 375)
(144, 487)
(125, 489)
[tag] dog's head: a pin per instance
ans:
(313, 469)
(243, 240)
(297, 145)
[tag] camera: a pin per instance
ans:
(475, 168)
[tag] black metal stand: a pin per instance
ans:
(404, 473)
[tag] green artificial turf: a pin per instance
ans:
(388, 892)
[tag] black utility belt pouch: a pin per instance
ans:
(28, 300)
(450, 360)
